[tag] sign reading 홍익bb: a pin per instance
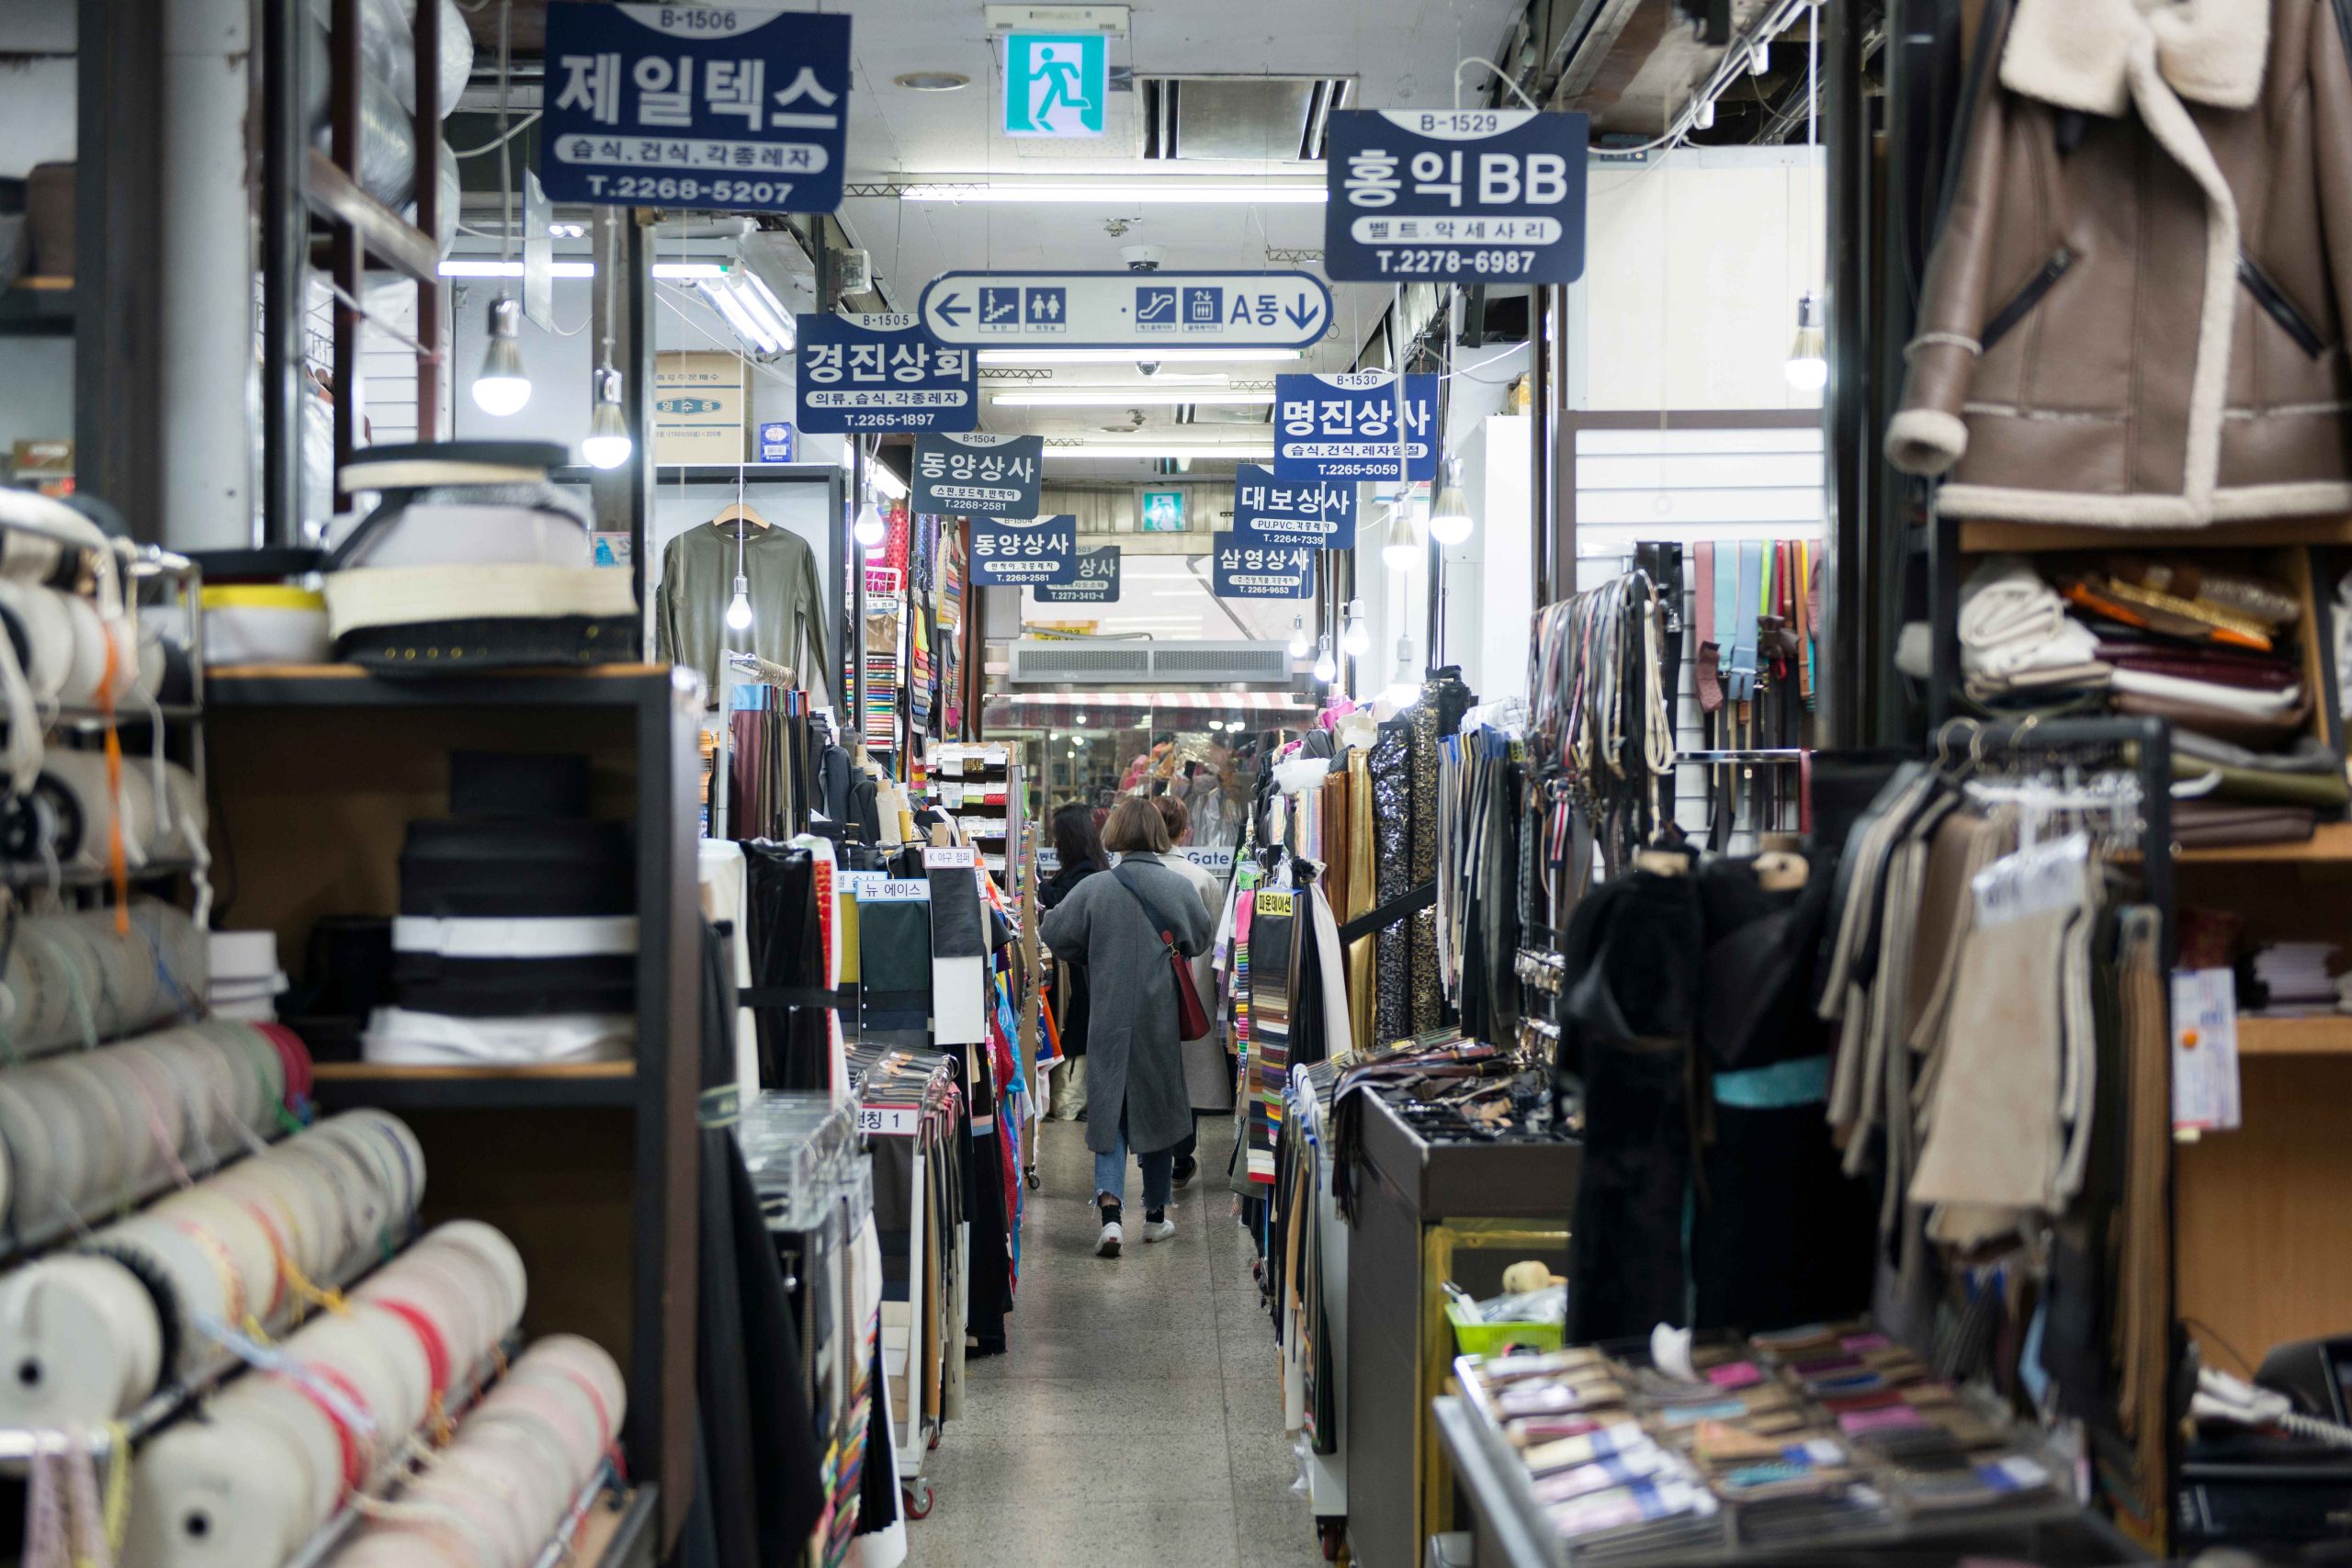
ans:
(881, 371)
(1006, 554)
(1097, 582)
(1460, 195)
(1344, 426)
(1268, 511)
(1240, 570)
(707, 106)
(979, 475)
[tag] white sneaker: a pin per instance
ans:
(1107, 1244)
(1158, 1230)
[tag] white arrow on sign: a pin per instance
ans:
(1141, 311)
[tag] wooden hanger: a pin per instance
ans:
(736, 509)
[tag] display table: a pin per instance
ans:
(1508, 1529)
(1426, 1212)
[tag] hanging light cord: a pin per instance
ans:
(505, 163)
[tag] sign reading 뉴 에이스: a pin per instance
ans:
(1007, 554)
(881, 371)
(1344, 426)
(979, 475)
(1455, 195)
(695, 105)
(1268, 511)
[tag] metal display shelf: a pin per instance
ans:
(349, 685)
(344, 1086)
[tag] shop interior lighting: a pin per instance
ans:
(751, 307)
(886, 479)
(931, 81)
(1143, 396)
(503, 387)
(1327, 669)
(739, 609)
(609, 443)
(1406, 543)
(1808, 367)
(490, 267)
(1299, 644)
(1035, 357)
(1407, 684)
(1356, 641)
(869, 528)
(1079, 717)
(1161, 378)
(1121, 194)
(1450, 519)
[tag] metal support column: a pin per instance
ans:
(621, 303)
(118, 266)
(430, 375)
(1542, 303)
(350, 255)
(284, 245)
(854, 646)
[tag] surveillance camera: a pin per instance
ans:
(1141, 258)
(1148, 366)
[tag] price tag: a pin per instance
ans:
(951, 858)
(888, 1120)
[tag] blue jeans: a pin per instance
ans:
(1110, 1172)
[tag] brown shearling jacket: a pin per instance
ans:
(2134, 314)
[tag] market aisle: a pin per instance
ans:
(1137, 1418)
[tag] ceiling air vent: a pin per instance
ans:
(1257, 117)
(1150, 664)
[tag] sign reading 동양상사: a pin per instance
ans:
(1239, 571)
(1268, 511)
(1006, 554)
(979, 475)
(1455, 195)
(693, 106)
(880, 371)
(1344, 427)
(1097, 582)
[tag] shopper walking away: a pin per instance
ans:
(1208, 1072)
(1079, 849)
(1134, 1059)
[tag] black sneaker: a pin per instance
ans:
(1186, 1169)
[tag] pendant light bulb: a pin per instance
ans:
(1450, 519)
(1356, 641)
(1407, 543)
(1327, 669)
(1406, 686)
(739, 609)
(609, 443)
(1300, 647)
(869, 529)
(503, 385)
(1808, 367)
(1079, 717)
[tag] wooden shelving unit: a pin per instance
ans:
(2330, 844)
(2326, 1034)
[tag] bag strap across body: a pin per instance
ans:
(1151, 910)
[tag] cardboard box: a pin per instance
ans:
(698, 408)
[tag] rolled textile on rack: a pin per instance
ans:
(70, 980)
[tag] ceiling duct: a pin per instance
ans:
(1250, 118)
(1186, 664)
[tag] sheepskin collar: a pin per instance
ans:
(2077, 54)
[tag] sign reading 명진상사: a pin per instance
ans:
(1006, 554)
(1268, 511)
(1097, 582)
(1455, 195)
(1054, 84)
(1160, 511)
(1344, 426)
(979, 475)
(881, 371)
(1257, 572)
(1140, 311)
(691, 106)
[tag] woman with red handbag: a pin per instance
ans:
(1133, 930)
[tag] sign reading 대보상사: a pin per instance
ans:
(705, 107)
(1268, 511)
(1006, 554)
(1160, 511)
(1140, 311)
(1097, 582)
(979, 475)
(1239, 571)
(880, 371)
(1455, 195)
(1344, 426)
(1054, 84)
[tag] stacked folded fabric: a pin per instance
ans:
(2292, 977)
(2016, 637)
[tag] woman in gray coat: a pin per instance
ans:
(1135, 1073)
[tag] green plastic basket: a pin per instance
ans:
(1477, 1338)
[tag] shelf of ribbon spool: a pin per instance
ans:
(338, 1085)
(29, 873)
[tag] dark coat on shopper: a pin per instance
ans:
(1071, 1007)
(1134, 1059)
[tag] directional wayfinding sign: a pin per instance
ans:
(881, 371)
(1160, 511)
(1267, 511)
(1054, 84)
(1141, 311)
(695, 106)
(1006, 554)
(1241, 570)
(979, 475)
(1456, 196)
(1097, 582)
(1344, 426)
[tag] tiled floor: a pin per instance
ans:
(1136, 1419)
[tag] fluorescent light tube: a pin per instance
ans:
(1231, 452)
(755, 333)
(1164, 378)
(488, 267)
(1138, 395)
(1123, 194)
(1040, 357)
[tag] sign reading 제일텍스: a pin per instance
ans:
(979, 475)
(1006, 554)
(881, 371)
(1097, 582)
(1266, 510)
(1344, 427)
(1455, 195)
(693, 106)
